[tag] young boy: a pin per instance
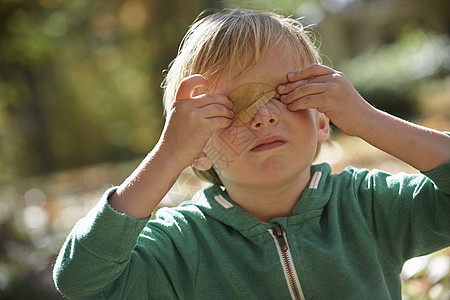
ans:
(272, 226)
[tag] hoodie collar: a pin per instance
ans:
(216, 203)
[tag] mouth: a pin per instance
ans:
(268, 143)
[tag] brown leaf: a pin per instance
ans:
(248, 99)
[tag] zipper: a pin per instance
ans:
(287, 263)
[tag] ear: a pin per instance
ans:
(323, 127)
(202, 163)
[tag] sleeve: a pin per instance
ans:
(408, 214)
(96, 252)
(441, 177)
(108, 255)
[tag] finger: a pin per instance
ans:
(216, 110)
(303, 91)
(207, 99)
(312, 102)
(314, 70)
(188, 85)
(218, 123)
(286, 88)
(223, 122)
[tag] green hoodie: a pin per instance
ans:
(348, 238)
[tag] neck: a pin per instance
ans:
(270, 200)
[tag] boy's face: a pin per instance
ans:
(277, 144)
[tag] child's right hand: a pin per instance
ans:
(192, 120)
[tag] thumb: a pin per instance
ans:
(188, 85)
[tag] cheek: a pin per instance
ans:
(305, 117)
(225, 147)
(303, 125)
(236, 139)
(217, 153)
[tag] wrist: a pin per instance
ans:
(168, 157)
(369, 120)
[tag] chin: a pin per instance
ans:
(273, 175)
(282, 172)
(275, 166)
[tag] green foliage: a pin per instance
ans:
(389, 77)
(79, 80)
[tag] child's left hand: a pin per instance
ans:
(328, 91)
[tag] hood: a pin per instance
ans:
(216, 203)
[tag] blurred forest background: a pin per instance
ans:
(80, 106)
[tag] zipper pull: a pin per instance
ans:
(278, 231)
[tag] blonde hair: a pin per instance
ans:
(229, 43)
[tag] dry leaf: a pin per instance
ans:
(248, 99)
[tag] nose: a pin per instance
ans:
(264, 118)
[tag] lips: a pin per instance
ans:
(267, 143)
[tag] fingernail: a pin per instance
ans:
(291, 75)
(281, 88)
(283, 97)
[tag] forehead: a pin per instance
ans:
(271, 70)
